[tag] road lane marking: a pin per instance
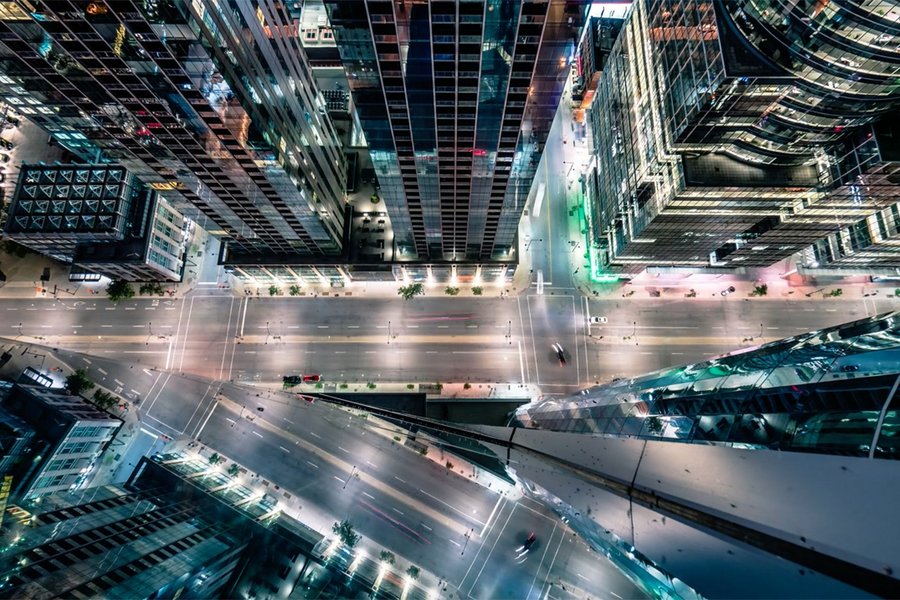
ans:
(450, 506)
(413, 326)
(426, 526)
(257, 434)
(315, 435)
(368, 495)
(543, 557)
(106, 326)
(342, 448)
(107, 308)
(340, 352)
(396, 511)
(293, 327)
(232, 421)
(401, 480)
(285, 449)
(322, 326)
(338, 478)
(102, 371)
(312, 464)
(496, 506)
(458, 545)
(141, 326)
(148, 372)
(130, 308)
(443, 326)
(199, 431)
(119, 382)
(352, 326)
(491, 551)
(12, 309)
(371, 464)
(582, 576)
(471, 326)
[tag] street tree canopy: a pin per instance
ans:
(344, 530)
(119, 290)
(411, 291)
(79, 382)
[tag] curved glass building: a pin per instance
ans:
(832, 391)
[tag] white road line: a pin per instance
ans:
(338, 478)
(450, 506)
(315, 435)
(677, 353)
(471, 326)
(107, 308)
(322, 326)
(396, 511)
(232, 421)
(205, 421)
(369, 352)
(413, 326)
(106, 326)
(426, 526)
(491, 551)
(119, 382)
(371, 464)
(285, 449)
(401, 480)
(148, 372)
(443, 326)
(773, 327)
(141, 326)
(541, 564)
(12, 309)
(340, 352)
(256, 434)
(496, 506)
(102, 371)
(352, 326)
(293, 327)
(130, 308)
(582, 576)
(342, 448)
(458, 545)
(312, 464)
(368, 495)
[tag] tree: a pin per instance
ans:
(413, 572)
(760, 290)
(411, 291)
(79, 382)
(294, 290)
(344, 530)
(451, 291)
(654, 425)
(477, 290)
(104, 400)
(152, 287)
(119, 289)
(387, 557)
(273, 290)
(233, 469)
(215, 458)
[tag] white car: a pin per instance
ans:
(598, 319)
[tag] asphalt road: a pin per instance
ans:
(353, 467)
(428, 339)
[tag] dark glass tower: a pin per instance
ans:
(211, 103)
(456, 99)
(736, 133)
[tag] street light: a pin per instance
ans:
(389, 332)
(268, 333)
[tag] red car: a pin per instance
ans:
(312, 378)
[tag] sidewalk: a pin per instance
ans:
(23, 281)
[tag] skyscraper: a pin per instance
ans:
(212, 104)
(736, 133)
(456, 99)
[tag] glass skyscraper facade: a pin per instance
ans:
(456, 99)
(832, 391)
(735, 133)
(213, 104)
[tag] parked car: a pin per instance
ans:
(729, 290)
(598, 319)
(849, 368)
(5, 143)
(312, 378)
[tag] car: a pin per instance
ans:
(529, 541)
(312, 378)
(598, 319)
(5, 143)
(849, 368)
(292, 379)
(560, 354)
(4, 158)
(729, 290)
